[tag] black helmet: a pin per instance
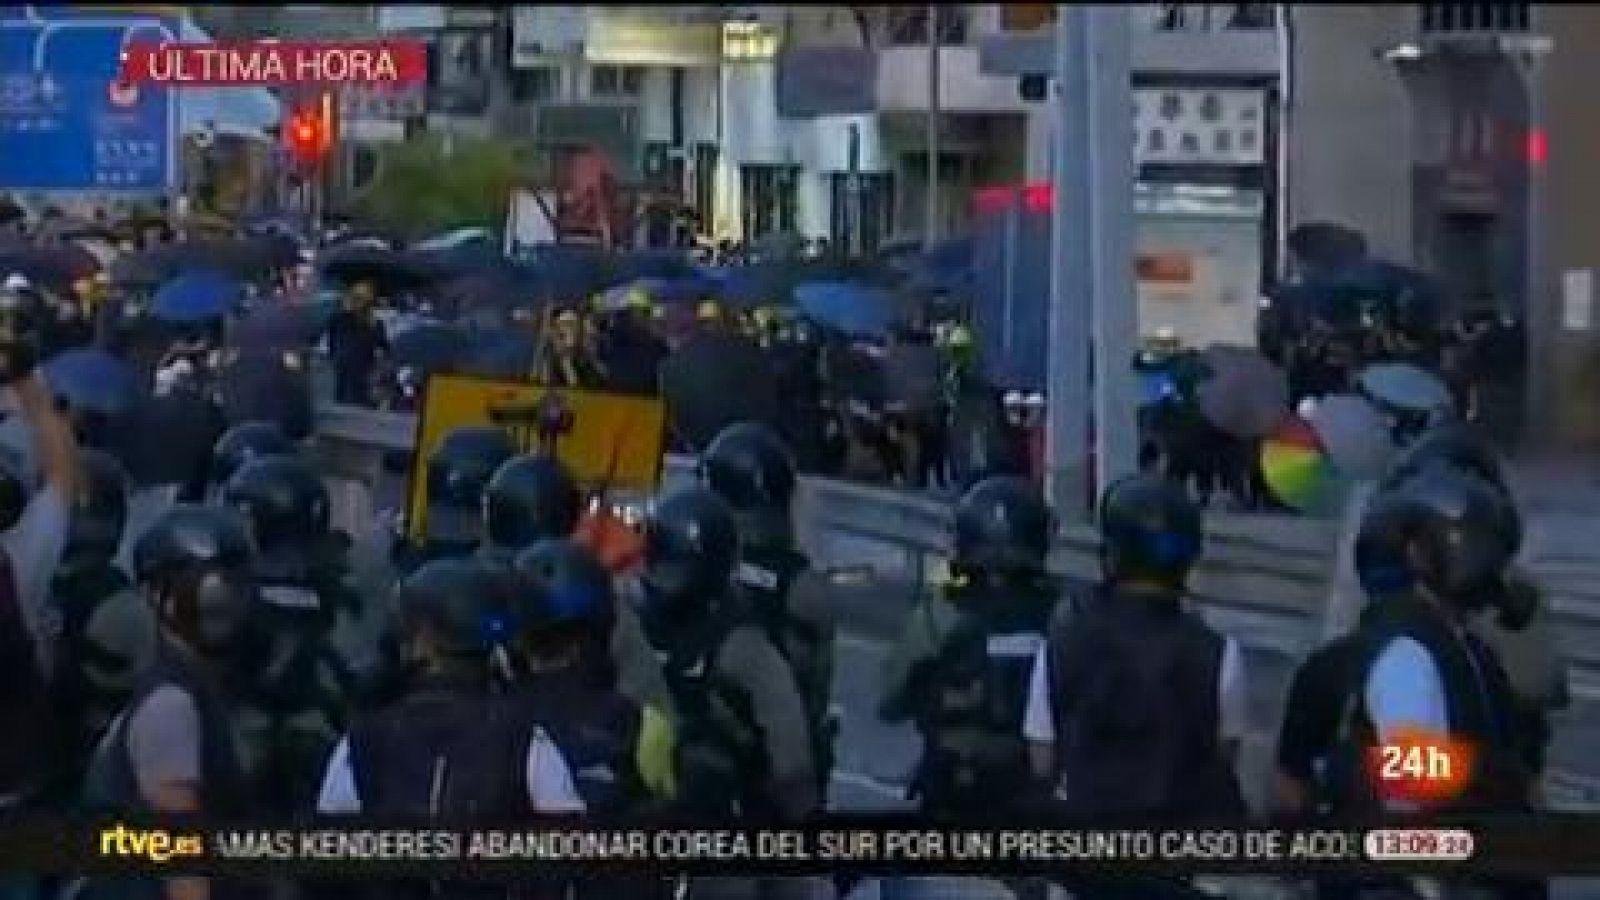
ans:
(1454, 444)
(458, 472)
(531, 498)
(99, 511)
(1443, 528)
(1149, 529)
(751, 468)
(562, 588)
(244, 442)
(197, 560)
(461, 602)
(284, 500)
(691, 546)
(1003, 525)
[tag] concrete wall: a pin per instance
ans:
(1349, 123)
(1571, 219)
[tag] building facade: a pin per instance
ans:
(696, 94)
(1446, 133)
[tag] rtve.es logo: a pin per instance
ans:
(157, 845)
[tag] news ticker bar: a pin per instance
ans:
(1531, 845)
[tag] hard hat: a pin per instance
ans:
(707, 310)
(16, 281)
(638, 298)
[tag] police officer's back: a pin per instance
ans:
(749, 467)
(743, 740)
(1434, 552)
(563, 608)
(960, 670)
(1439, 543)
(447, 748)
(304, 637)
(1136, 701)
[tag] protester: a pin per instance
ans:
(356, 345)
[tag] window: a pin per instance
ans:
(908, 25)
(705, 184)
(769, 200)
(1445, 17)
(536, 85)
(869, 209)
(616, 81)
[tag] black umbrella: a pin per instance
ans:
(242, 259)
(389, 271)
(140, 270)
(263, 384)
(275, 325)
(1322, 246)
(498, 354)
(714, 380)
(430, 346)
(55, 266)
(497, 290)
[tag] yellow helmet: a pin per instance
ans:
(638, 298)
(708, 310)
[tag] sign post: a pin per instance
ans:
(68, 123)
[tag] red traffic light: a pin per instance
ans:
(308, 137)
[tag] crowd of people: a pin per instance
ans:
(207, 650)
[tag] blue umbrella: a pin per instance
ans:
(757, 285)
(93, 381)
(196, 297)
(855, 309)
(664, 264)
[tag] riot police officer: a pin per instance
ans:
(743, 746)
(1438, 544)
(447, 747)
(529, 499)
(243, 443)
(1145, 741)
(535, 498)
(458, 472)
(304, 636)
(960, 670)
(563, 608)
(750, 468)
(171, 751)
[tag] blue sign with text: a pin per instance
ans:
(66, 124)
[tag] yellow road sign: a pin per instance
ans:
(614, 440)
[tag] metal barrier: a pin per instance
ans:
(1263, 579)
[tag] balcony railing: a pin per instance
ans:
(1475, 18)
(1208, 16)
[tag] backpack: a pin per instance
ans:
(975, 754)
(1137, 711)
(442, 755)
